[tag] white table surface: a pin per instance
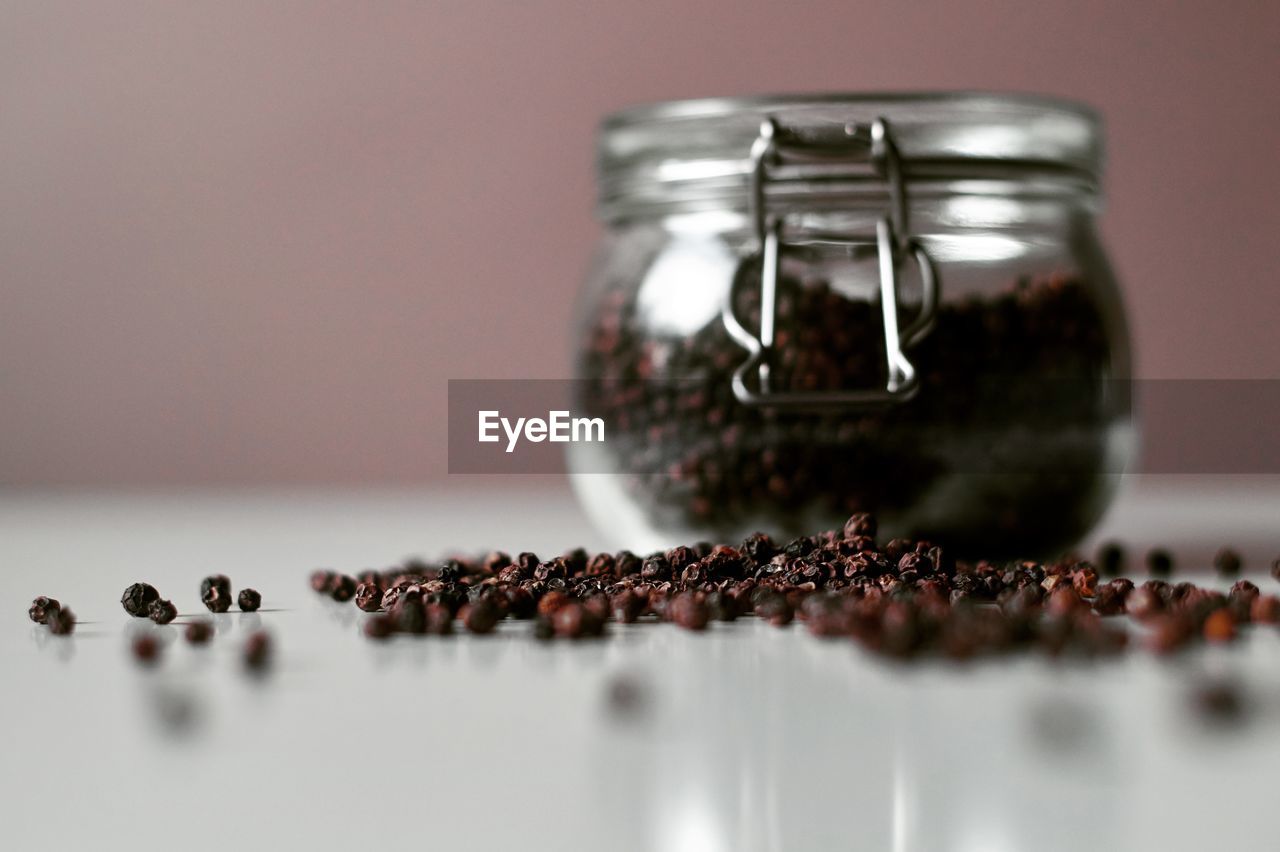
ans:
(748, 737)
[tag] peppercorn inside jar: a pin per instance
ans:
(805, 307)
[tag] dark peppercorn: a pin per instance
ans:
(379, 627)
(775, 609)
(861, 524)
(41, 608)
(1064, 601)
(249, 600)
(162, 612)
(146, 650)
(1227, 562)
(722, 607)
(322, 580)
(574, 621)
(903, 600)
(689, 610)
(369, 597)
(481, 617)
(439, 620)
(1110, 559)
(552, 601)
(216, 581)
(343, 588)
(409, 614)
(1159, 563)
(1244, 589)
(257, 651)
(61, 622)
(137, 599)
(199, 632)
(656, 568)
(216, 600)
(627, 606)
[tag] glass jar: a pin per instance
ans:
(808, 306)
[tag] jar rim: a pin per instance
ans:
(669, 151)
(726, 104)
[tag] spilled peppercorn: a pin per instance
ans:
(901, 599)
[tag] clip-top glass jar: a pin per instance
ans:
(807, 306)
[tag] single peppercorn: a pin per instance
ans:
(199, 632)
(1111, 559)
(481, 617)
(216, 600)
(249, 600)
(574, 621)
(369, 597)
(61, 622)
(409, 614)
(343, 588)
(162, 612)
(860, 524)
(216, 581)
(690, 611)
(1159, 563)
(379, 627)
(257, 651)
(1227, 562)
(627, 606)
(41, 608)
(321, 580)
(137, 599)
(775, 609)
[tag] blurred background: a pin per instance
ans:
(246, 242)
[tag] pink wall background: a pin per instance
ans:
(250, 242)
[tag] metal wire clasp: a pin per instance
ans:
(892, 242)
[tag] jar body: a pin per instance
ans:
(1011, 445)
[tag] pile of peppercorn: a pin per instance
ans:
(1021, 369)
(901, 599)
